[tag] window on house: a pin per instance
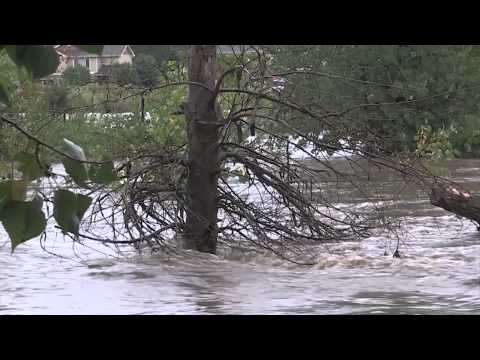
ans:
(87, 63)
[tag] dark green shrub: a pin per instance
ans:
(57, 97)
(76, 76)
(147, 70)
(123, 74)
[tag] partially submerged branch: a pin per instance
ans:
(457, 201)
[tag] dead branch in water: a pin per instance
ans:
(457, 201)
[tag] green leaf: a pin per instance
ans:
(39, 60)
(77, 169)
(28, 165)
(4, 98)
(103, 174)
(4, 194)
(37, 202)
(15, 190)
(93, 49)
(23, 221)
(3, 202)
(69, 209)
(19, 190)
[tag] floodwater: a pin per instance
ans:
(439, 273)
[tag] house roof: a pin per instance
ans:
(113, 50)
(71, 50)
(108, 50)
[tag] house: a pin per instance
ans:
(100, 66)
(72, 56)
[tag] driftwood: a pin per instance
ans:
(457, 201)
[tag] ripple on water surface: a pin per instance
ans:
(437, 274)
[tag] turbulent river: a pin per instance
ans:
(439, 273)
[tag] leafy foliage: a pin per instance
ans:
(161, 53)
(23, 221)
(76, 166)
(8, 79)
(76, 76)
(5, 193)
(124, 74)
(57, 97)
(69, 209)
(103, 173)
(28, 165)
(4, 100)
(388, 91)
(38, 60)
(147, 70)
(390, 99)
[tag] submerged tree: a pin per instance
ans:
(242, 124)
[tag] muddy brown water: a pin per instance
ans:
(439, 273)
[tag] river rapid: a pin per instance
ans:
(439, 273)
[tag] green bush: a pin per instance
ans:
(161, 53)
(57, 97)
(147, 70)
(124, 74)
(76, 76)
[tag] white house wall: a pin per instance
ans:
(94, 65)
(125, 59)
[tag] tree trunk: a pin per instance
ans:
(456, 201)
(203, 152)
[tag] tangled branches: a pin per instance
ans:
(265, 196)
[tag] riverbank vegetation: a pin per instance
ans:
(151, 152)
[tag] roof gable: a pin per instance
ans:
(113, 50)
(72, 51)
(128, 50)
(108, 51)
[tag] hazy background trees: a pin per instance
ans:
(420, 98)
